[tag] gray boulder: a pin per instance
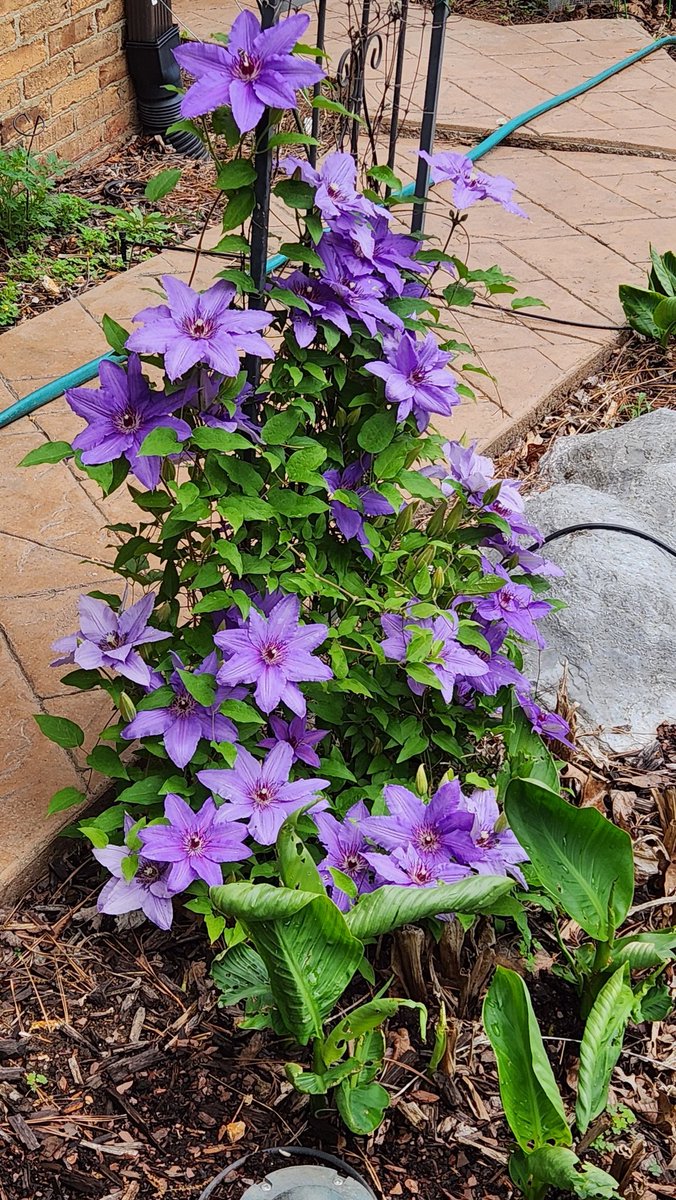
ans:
(617, 633)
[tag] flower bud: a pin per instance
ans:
(435, 525)
(421, 784)
(438, 578)
(453, 519)
(353, 416)
(340, 419)
(126, 706)
(162, 611)
(404, 519)
(376, 747)
(426, 557)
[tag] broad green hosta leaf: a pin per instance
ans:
(557, 1167)
(390, 907)
(364, 1020)
(530, 1097)
(644, 951)
(361, 1105)
(240, 974)
(304, 941)
(313, 1084)
(601, 1045)
(639, 306)
(581, 859)
(528, 754)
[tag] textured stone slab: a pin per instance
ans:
(617, 633)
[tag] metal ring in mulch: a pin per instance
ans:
(119, 190)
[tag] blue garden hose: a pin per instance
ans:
(82, 374)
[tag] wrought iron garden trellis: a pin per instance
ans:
(373, 27)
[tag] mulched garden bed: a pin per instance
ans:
(122, 230)
(120, 1078)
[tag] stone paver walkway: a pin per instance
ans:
(592, 216)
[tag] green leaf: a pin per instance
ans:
(391, 907)
(665, 317)
(161, 441)
(335, 106)
(144, 791)
(67, 797)
(106, 761)
(601, 1046)
(643, 951)
(232, 243)
(377, 432)
(558, 1167)
(291, 138)
(459, 296)
(48, 452)
(385, 175)
(201, 687)
(60, 730)
(235, 174)
(295, 193)
(362, 1106)
(161, 185)
(302, 465)
(303, 254)
(290, 504)
(583, 861)
(639, 306)
(219, 439)
(661, 279)
(296, 865)
(238, 209)
(97, 837)
(362, 1020)
(530, 1097)
(229, 553)
(528, 302)
(241, 712)
(240, 974)
(304, 941)
(116, 335)
(280, 427)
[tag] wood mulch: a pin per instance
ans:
(120, 1078)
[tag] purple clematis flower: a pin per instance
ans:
(255, 70)
(261, 792)
(322, 306)
(107, 639)
(350, 521)
(549, 725)
(373, 247)
(195, 843)
(275, 653)
(301, 739)
(148, 891)
(183, 722)
(449, 660)
(416, 379)
(433, 831)
(496, 852)
(345, 845)
(515, 606)
(408, 869)
(474, 472)
(360, 296)
(200, 328)
(500, 670)
(335, 180)
(470, 185)
(203, 394)
(119, 415)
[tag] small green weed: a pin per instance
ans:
(34, 1080)
(9, 303)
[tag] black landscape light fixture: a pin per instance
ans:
(332, 1180)
(151, 38)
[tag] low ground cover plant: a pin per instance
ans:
(312, 640)
(48, 235)
(652, 310)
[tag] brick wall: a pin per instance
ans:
(64, 60)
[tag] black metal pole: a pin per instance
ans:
(429, 117)
(360, 68)
(321, 38)
(260, 218)
(396, 91)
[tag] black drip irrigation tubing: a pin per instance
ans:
(590, 526)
